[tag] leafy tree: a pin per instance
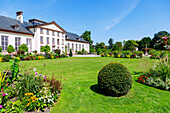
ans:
(130, 45)
(145, 40)
(45, 49)
(102, 45)
(0, 49)
(110, 43)
(115, 47)
(23, 47)
(156, 41)
(10, 49)
(119, 45)
(87, 36)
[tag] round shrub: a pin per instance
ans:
(114, 79)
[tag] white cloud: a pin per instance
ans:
(3, 13)
(116, 20)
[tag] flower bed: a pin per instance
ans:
(157, 76)
(30, 91)
(30, 56)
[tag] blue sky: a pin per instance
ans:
(117, 19)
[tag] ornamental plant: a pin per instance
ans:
(23, 47)
(0, 49)
(10, 49)
(70, 54)
(114, 79)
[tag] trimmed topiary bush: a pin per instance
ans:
(114, 79)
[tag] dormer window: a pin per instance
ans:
(16, 27)
(78, 38)
(66, 36)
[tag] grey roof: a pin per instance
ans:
(6, 23)
(74, 36)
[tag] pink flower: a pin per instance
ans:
(3, 94)
(36, 74)
(44, 77)
(34, 69)
(0, 106)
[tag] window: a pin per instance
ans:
(53, 41)
(79, 47)
(62, 41)
(41, 39)
(58, 34)
(62, 34)
(58, 47)
(47, 32)
(53, 33)
(83, 46)
(17, 43)
(58, 42)
(41, 31)
(76, 47)
(62, 49)
(4, 42)
(29, 44)
(68, 46)
(72, 47)
(48, 40)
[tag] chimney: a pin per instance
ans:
(20, 16)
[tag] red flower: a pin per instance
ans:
(148, 75)
(139, 81)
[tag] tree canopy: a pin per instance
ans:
(87, 36)
(45, 49)
(110, 43)
(130, 45)
(145, 40)
(23, 47)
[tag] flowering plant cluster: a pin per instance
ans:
(128, 54)
(166, 42)
(32, 91)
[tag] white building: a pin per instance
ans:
(37, 33)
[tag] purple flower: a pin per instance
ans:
(36, 74)
(44, 77)
(0, 106)
(3, 94)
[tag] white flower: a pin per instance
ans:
(58, 93)
(40, 75)
(34, 69)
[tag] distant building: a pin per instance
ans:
(37, 33)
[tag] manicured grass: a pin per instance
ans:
(79, 93)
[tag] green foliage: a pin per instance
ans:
(14, 69)
(114, 79)
(45, 49)
(115, 47)
(23, 47)
(70, 54)
(10, 49)
(87, 36)
(13, 107)
(110, 43)
(0, 49)
(130, 45)
(57, 51)
(145, 40)
(119, 45)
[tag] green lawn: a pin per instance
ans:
(79, 95)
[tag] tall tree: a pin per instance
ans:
(87, 36)
(145, 40)
(110, 43)
(156, 41)
(102, 45)
(119, 44)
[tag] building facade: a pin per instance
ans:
(37, 33)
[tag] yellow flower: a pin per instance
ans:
(28, 104)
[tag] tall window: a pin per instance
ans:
(41, 39)
(17, 43)
(68, 46)
(58, 42)
(4, 42)
(62, 34)
(72, 47)
(47, 32)
(58, 34)
(53, 33)
(62, 41)
(48, 40)
(76, 47)
(62, 49)
(53, 41)
(79, 47)
(83, 46)
(41, 31)
(29, 44)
